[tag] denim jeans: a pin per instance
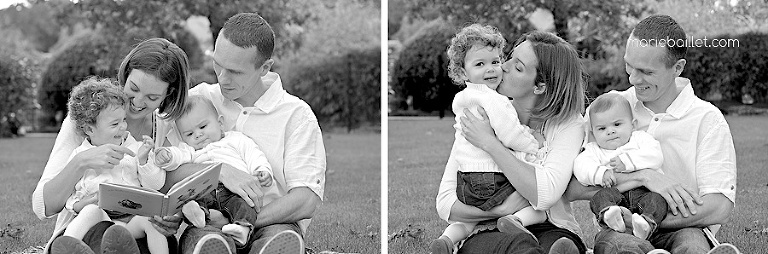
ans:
(93, 237)
(520, 242)
(639, 200)
(678, 241)
(259, 237)
(483, 190)
(231, 205)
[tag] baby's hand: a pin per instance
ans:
(264, 178)
(143, 152)
(162, 156)
(608, 179)
(617, 165)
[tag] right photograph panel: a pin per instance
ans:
(576, 127)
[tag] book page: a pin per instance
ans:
(130, 199)
(193, 187)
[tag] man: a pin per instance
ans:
(699, 180)
(253, 101)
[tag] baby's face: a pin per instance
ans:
(482, 65)
(612, 128)
(200, 127)
(110, 127)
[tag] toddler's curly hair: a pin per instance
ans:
(474, 34)
(90, 97)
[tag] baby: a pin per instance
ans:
(200, 127)
(97, 106)
(475, 60)
(619, 148)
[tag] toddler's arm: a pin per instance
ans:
(587, 167)
(642, 151)
(150, 175)
(503, 119)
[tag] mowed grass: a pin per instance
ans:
(419, 149)
(348, 220)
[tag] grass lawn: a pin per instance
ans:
(348, 220)
(419, 149)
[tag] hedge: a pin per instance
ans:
(342, 91)
(17, 81)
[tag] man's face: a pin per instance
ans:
(110, 127)
(648, 72)
(238, 75)
(612, 128)
(200, 127)
(482, 65)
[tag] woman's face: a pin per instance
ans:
(145, 93)
(519, 72)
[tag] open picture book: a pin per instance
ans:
(147, 202)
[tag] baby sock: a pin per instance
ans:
(613, 218)
(194, 213)
(238, 232)
(640, 227)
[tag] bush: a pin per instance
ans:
(421, 69)
(342, 91)
(730, 71)
(18, 83)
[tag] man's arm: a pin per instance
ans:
(300, 203)
(715, 209)
(679, 198)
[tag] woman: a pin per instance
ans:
(543, 76)
(155, 77)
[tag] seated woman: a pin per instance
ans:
(543, 76)
(155, 77)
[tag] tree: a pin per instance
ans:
(18, 77)
(35, 22)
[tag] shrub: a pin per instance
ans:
(18, 82)
(342, 91)
(421, 69)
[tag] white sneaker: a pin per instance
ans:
(211, 244)
(659, 251)
(286, 242)
(724, 248)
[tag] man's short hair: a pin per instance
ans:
(248, 30)
(662, 27)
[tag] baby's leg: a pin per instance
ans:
(140, 227)
(529, 216)
(87, 218)
(458, 231)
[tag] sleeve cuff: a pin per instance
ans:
(628, 165)
(598, 180)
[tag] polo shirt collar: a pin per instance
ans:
(269, 100)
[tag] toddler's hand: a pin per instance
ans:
(265, 180)
(93, 199)
(617, 165)
(143, 152)
(162, 156)
(608, 179)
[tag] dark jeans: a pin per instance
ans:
(678, 241)
(231, 205)
(93, 239)
(638, 200)
(483, 190)
(259, 238)
(520, 242)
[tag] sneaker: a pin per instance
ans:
(511, 223)
(211, 244)
(725, 248)
(640, 226)
(68, 244)
(286, 242)
(442, 245)
(118, 240)
(563, 246)
(659, 251)
(613, 218)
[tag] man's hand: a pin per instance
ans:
(242, 184)
(608, 179)
(167, 225)
(143, 153)
(265, 179)
(162, 156)
(678, 196)
(617, 165)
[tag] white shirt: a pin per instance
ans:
(503, 119)
(695, 139)
(235, 149)
(641, 151)
(285, 128)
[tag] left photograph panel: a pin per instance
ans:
(177, 126)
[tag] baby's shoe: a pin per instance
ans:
(194, 214)
(442, 245)
(614, 219)
(239, 233)
(640, 226)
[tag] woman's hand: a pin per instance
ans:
(103, 157)
(167, 225)
(478, 131)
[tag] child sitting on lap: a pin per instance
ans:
(475, 60)
(200, 127)
(97, 106)
(619, 148)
